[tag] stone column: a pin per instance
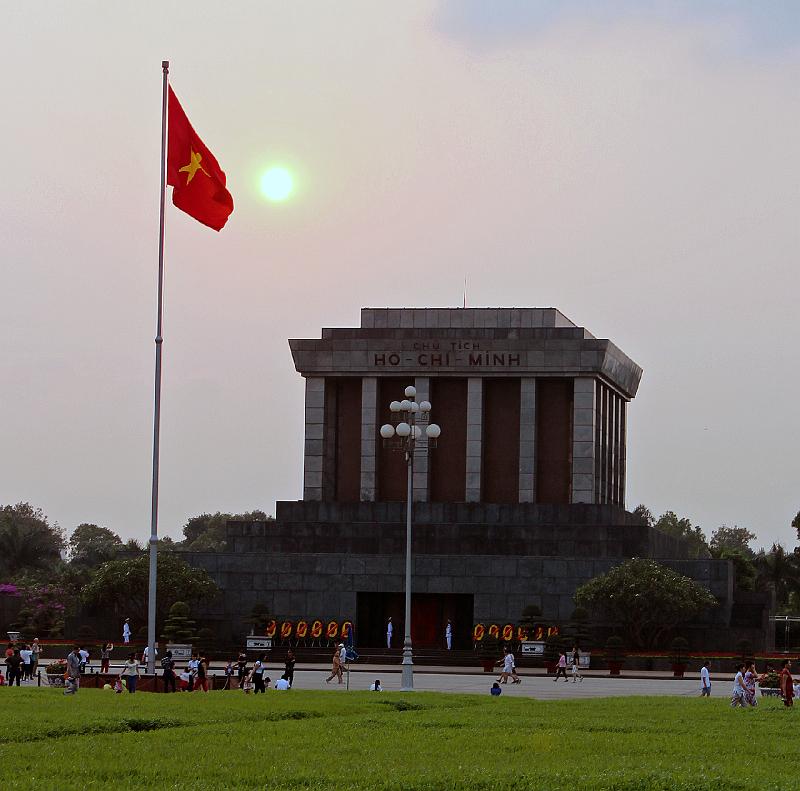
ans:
(583, 428)
(474, 438)
(527, 440)
(369, 437)
(315, 434)
(422, 383)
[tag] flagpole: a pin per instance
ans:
(151, 597)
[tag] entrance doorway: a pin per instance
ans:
(429, 615)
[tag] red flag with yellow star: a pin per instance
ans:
(192, 170)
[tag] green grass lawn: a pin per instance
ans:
(362, 740)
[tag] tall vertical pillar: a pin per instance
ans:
(527, 440)
(422, 383)
(583, 445)
(314, 438)
(474, 438)
(369, 437)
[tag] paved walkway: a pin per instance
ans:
(539, 687)
(534, 684)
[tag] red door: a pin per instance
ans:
(426, 617)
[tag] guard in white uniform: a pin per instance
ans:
(389, 630)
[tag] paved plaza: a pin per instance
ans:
(538, 686)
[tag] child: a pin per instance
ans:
(247, 683)
(186, 681)
(118, 687)
(495, 690)
(2, 679)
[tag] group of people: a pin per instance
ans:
(573, 663)
(746, 679)
(21, 663)
(339, 662)
(255, 679)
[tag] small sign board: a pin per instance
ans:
(584, 657)
(180, 651)
(258, 643)
(532, 648)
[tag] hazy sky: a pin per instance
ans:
(636, 165)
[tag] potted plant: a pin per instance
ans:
(679, 656)
(615, 655)
(55, 673)
(489, 653)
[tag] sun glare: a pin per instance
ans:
(276, 184)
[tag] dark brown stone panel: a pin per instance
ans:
(553, 440)
(348, 439)
(448, 462)
(500, 445)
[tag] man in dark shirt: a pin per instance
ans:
(14, 665)
(169, 672)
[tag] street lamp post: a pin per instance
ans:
(402, 435)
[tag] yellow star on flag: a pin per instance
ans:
(193, 166)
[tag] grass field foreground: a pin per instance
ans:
(362, 740)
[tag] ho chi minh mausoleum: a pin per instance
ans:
(522, 500)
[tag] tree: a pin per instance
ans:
(733, 538)
(645, 514)
(745, 571)
(121, 585)
(27, 539)
(672, 525)
(207, 532)
(259, 617)
(578, 629)
(179, 627)
(646, 599)
(777, 569)
(796, 524)
(90, 545)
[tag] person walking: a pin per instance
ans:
(169, 672)
(36, 649)
(750, 678)
(126, 631)
(786, 683)
(13, 667)
(201, 682)
(130, 673)
(508, 668)
(561, 668)
(26, 655)
(75, 665)
(389, 630)
(105, 656)
(241, 663)
(737, 697)
(448, 635)
(336, 669)
(146, 653)
(576, 670)
(705, 680)
(258, 674)
(288, 668)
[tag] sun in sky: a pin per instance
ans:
(276, 183)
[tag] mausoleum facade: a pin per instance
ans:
(520, 502)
